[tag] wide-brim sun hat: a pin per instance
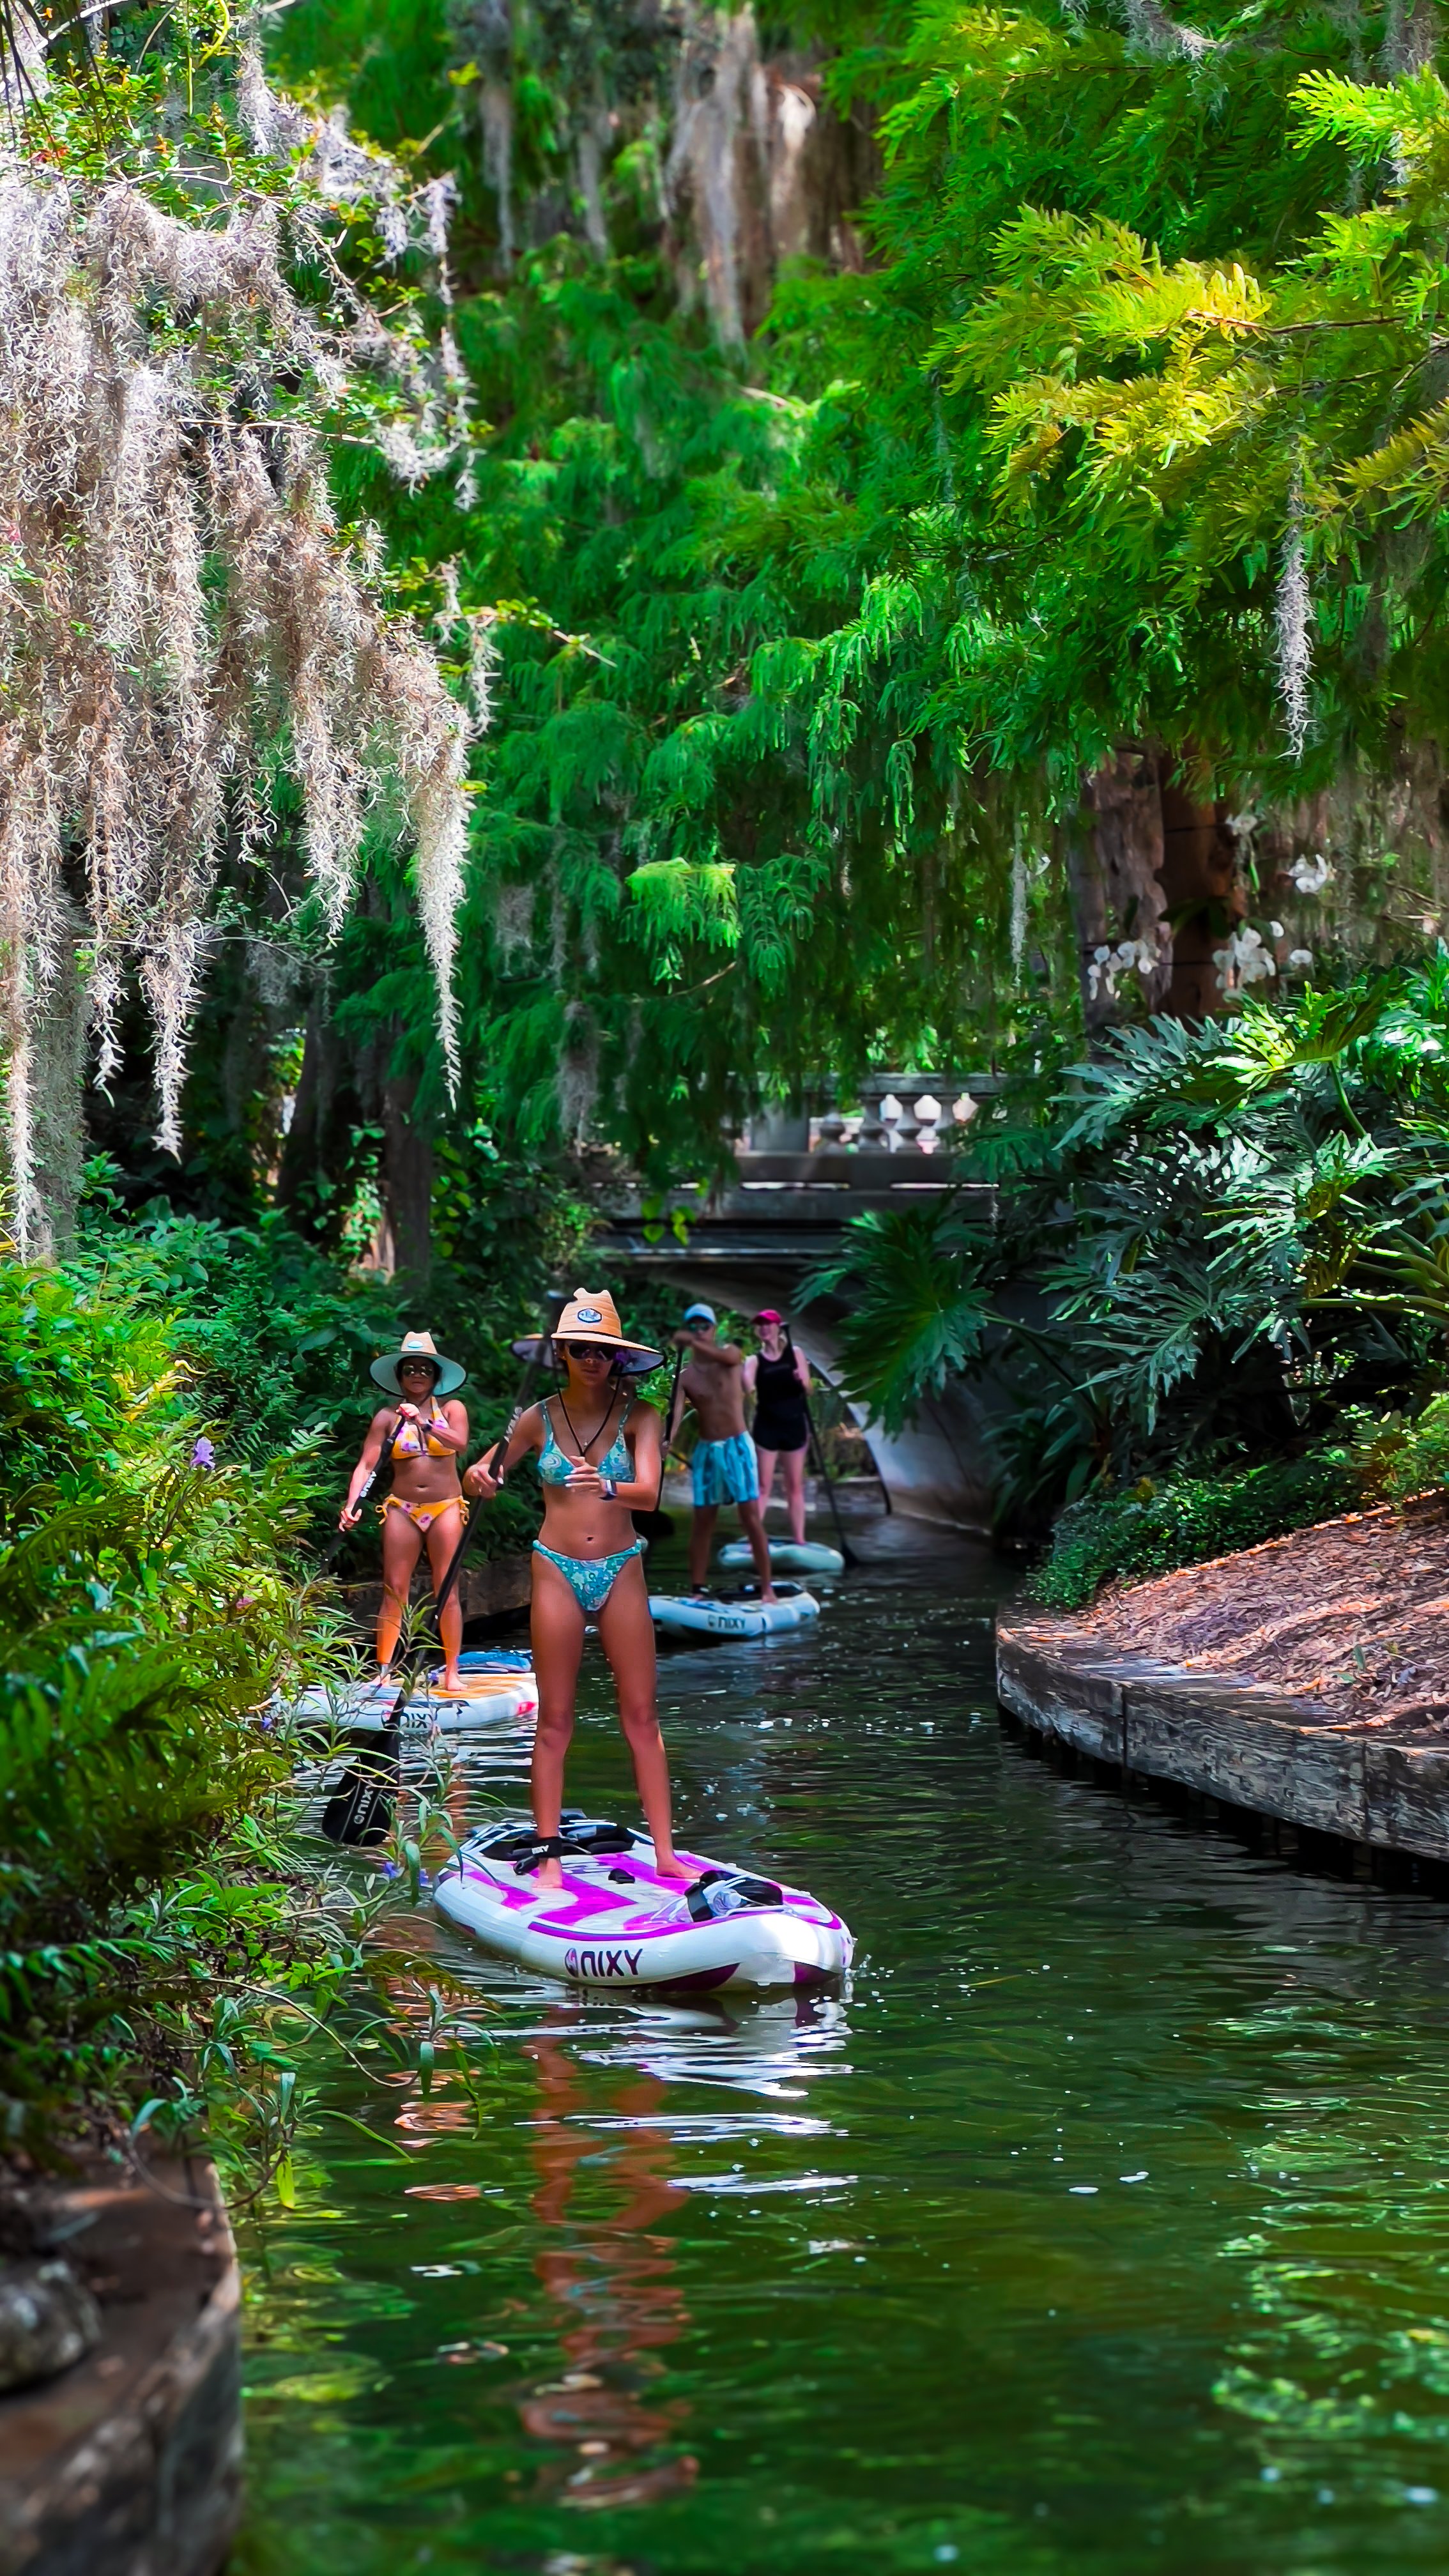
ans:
(592, 1316)
(417, 1346)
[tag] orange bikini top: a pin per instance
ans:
(408, 1445)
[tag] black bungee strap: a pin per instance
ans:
(749, 1892)
(526, 1848)
(543, 1847)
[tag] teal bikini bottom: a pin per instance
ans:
(591, 1579)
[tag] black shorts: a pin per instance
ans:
(780, 1432)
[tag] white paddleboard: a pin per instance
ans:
(696, 1615)
(792, 1555)
(616, 1922)
(498, 1685)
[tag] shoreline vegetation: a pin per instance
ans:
(1301, 1685)
(1349, 1615)
(511, 667)
(176, 1399)
(156, 1923)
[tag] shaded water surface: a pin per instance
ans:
(1104, 2225)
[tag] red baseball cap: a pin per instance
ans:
(767, 1315)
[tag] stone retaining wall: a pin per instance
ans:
(1241, 1742)
(129, 2463)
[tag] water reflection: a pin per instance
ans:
(610, 2274)
(608, 2192)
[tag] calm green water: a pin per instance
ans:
(1103, 2226)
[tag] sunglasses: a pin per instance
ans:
(416, 1368)
(588, 1350)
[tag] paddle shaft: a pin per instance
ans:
(365, 1495)
(359, 1812)
(657, 1523)
(526, 1385)
(846, 1550)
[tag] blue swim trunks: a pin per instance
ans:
(724, 1471)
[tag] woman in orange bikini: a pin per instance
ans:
(426, 1502)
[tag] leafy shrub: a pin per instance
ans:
(1109, 1538)
(272, 1339)
(1229, 1240)
(1395, 1457)
(148, 1607)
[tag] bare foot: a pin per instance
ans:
(453, 1682)
(548, 1874)
(769, 1593)
(674, 1868)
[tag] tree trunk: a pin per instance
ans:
(1200, 883)
(1139, 852)
(1114, 863)
(405, 1185)
(317, 1146)
(760, 168)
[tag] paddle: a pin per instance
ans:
(526, 1385)
(359, 1812)
(660, 1524)
(846, 1550)
(381, 1472)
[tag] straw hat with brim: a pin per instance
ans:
(592, 1318)
(417, 1346)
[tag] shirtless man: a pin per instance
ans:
(723, 1467)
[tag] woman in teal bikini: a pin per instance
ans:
(598, 1459)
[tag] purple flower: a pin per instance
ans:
(203, 1455)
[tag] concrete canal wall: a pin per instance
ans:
(1241, 1744)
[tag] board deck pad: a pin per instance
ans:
(616, 1922)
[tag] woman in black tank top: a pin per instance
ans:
(779, 1380)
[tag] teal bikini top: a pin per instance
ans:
(616, 1465)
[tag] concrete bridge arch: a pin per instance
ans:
(938, 1470)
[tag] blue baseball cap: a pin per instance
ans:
(700, 1315)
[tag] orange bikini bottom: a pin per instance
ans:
(422, 1515)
